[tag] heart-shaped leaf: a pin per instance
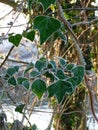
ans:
(29, 67)
(60, 35)
(15, 39)
(49, 75)
(29, 35)
(12, 70)
(38, 87)
(60, 74)
(69, 67)
(19, 108)
(46, 3)
(59, 89)
(12, 81)
(20, 80)
(74, 81)
(79, 73)
(34, 127)
(26, 84)
(34, 74)
(62, 62)
(46, 26)
(40, 65)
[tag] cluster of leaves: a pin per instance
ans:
(47, 26)
(63, 78)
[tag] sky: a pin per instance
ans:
(5, 22)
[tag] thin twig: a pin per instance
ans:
(6, 14)
(7, 56)
(88, 9)
(85, 22)
(14, 26)
(16, 61)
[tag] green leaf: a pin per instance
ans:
(59, 34)
(19, 108)
(77, 78)
(59, 89)
(16, 68)
(46, 3)
(29, 35)
(35, 74)
(74, 81)
(53, 64)
(62, 62)
(40, 65)
(69, 67)
(26, 84)
(29, 67)
(12, 81)
(63, 37)
(21, 79)
(49, 75)
(34, 127)
(15, 39)
(60, 74)
(79, 73)
(38, 87)
(46, 26)
(11, 71)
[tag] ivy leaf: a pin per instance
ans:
(12, 81)
(29, 67)
(29, 35)
(21, 79)
(74, 81)
(60, 74)
(19, 108)
(69, 67)
(46, 3)
(79, 73)
(62, 62)
(49, 75)
(34, 127)
(59, 89)
(26, 84)
(35, 74)
(59, 34)
(46, 26)
(38, 87)
(16, 68)
(52, 64)
(11, 71)
(40, 65)
(15, 39)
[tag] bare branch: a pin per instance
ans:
(76, 42)
(7, 56)
(85, 22)
(9, 2)
(14, 5)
